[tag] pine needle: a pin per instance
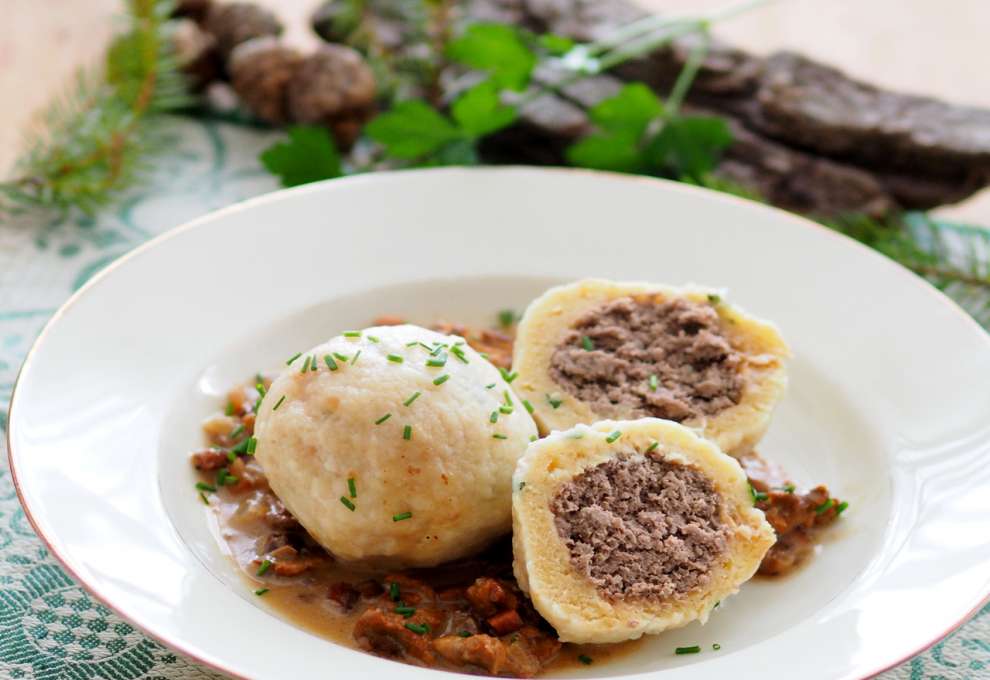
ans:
(97, 139)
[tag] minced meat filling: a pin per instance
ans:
(641, 527)
(608, 357)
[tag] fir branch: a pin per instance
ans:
(96, 140)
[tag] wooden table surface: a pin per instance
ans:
(935, 47)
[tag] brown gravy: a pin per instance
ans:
(467, 616)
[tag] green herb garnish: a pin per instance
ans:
(464, 633)
(438, 361)
(505, 409)
(402, 516)
(354, 360)
(278, 403)
(410, 400)
(533, 437)
(237, 431)
(587, 343)
(688, 650)
(395, 358)
(331, 364)
(585, 659)
(393, 591)
(383, 419)
(347, 503)
(252, 445)
(653, 382)
(652, 447)
(342, 357)
(352, 487)
(554, 403)
(441, 380)
(374, 338)
(265, 566)
(203, 486)
(405, 610)
(506, 318)
(527, 406)
(506, 375)
(714, 299)
(612, 437)
(499, 436)
(202, 497)
(229, 409)
(459, 353)
(407, 432)
(824, 506)
(716, 646)
(351, 334)
(493, 418)
(305, 366)
(488, 387)
(293, 358)
(261, 591)
(841, 508)
(418, 628)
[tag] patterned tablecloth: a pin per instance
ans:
(50, 628)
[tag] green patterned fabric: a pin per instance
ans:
(49, 627)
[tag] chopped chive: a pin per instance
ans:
(237, 431)
(261, 591)
(687, 650)
(716, 646)
(587, 343)
(342, 357)
(203, 486)
(612, 437)
(224, 478)
(383, 419)
(506, 318)
(787, 488)
(407, 432)
(231, 456)
(305, 366)
(508, 398)
(354, 360)
(441, 380)
(652, 447)
(554, 403)
(841, 508)
(229, 409)
(505, 409)
(293, 358)
(347, 503)
(506, 376)
(265, 566)
(528, 406)
(653, 382)
(352, 487)
(202, 497)
(459, 353)
(410, 400)
(401, 516)
(493, 418)
(351, 334)
(405, 610)
(439, 361)
(499, 436)
(241, 447)
(331, 364)
(585, 659)
(533, 437)
(716, 605)
(464, 633)
(395, 358)
(714, 299)
(260, 387)
(393, 591)
(418, 628)
(252, 446)
(437, 349)
(374, 338)
(488, 387)
(278, 403)
(824, 506)
(315, 366)
(412, 344)
(484, 355)
(756, 495)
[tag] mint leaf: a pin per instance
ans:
(555, 44)
(616, 151)
(630, 111)
(479, 112)
(495, 48)
(689, 146)
(308, 155)
(412, 129)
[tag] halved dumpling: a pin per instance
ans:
(629, 527)
(598, 349)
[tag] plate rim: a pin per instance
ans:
(313, 187)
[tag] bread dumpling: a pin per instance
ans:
(629, 527)
(598, 349)
(394, 447)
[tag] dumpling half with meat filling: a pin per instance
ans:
(598, 349)
(624, 528)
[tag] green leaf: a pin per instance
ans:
(308, 155)
(689, 146)
(495, 48)
(556, 44)
(629, 112)
(607, 151)
(458, 152)
(412, 129)
(479, 112)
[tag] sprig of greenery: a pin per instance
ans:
(97, 139)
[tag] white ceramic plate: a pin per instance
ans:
(888, 402)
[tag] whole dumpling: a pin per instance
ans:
(598, 349)
(394, 447)
(625, 528)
